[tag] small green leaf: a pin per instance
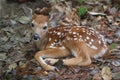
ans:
(113, 45)
(82, 11)
(80, 1)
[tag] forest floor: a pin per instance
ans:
(17, 51)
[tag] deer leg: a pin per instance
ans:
(51, 61)
(50, 53)
(81, 60)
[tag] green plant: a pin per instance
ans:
(113, 45)
(80, 1)
(82, 11)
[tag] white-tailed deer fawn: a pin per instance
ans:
(81, 42)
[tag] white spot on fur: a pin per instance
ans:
(83, 29)
(89, 33)
(52, 45)
(90, 43)
(75, 38)
(80, 36)
(80, 39)
(54, 31)
(50, 32)
(74, 32)
(93, 47)
(49, 39)
(55, 40)
(87, 37)
(99, 42)
(62, 47)
(92, 40)
(58, 33)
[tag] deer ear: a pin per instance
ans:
(34, 16)
(43, 11)
(28, 11)
(54, 18)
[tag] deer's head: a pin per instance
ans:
(39, 26)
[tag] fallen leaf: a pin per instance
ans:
(116, 76)
(110, 18)
(13, 22)
(97, 77)
(27, 11)
(24, 19)
(116, 62)
(5, 38)
(108, 40)
(113, 11)
(118, 33)
(106, 73)
(23, 66)
(12, 66)
(52, 75)
(3, 56)
(25, 40)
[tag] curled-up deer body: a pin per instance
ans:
(81, 42)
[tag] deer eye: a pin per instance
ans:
(32, 25)
(45, 27)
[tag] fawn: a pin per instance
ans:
(81, 42)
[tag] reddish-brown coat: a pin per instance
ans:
(81, 42)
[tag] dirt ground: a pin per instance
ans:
(17, 51)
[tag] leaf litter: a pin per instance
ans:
(16, 50)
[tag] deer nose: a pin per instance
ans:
(36, 36)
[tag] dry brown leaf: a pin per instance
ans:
(106, 73)
(64, 14)
(116, 63)
(12, 66)
(97, 77)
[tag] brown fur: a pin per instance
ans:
(63, 41)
